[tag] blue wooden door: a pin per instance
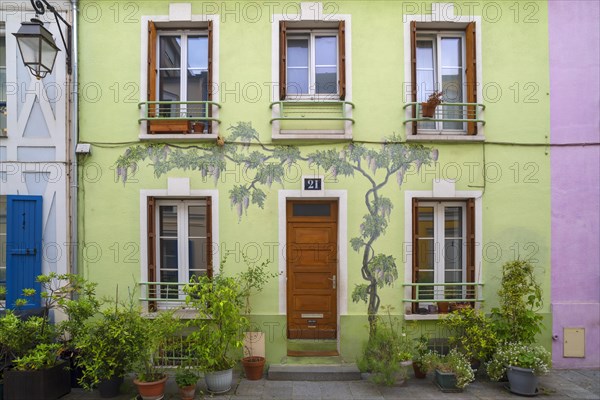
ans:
(23, 248)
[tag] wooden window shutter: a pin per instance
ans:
(209, 238)
(210, 63)
(151, 65)
(413, 72)
(471, 72)
(342, 59)
(151, 239)
(282, 60)
(415, 251)
(471, 246)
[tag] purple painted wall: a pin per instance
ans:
(574, 118)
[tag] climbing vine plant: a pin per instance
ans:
(265, 165)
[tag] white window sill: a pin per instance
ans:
(425, 137)
(186, 313)
(424, 317)
(179, 136)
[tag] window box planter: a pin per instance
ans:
(45, 384)
(169, 126)
(446, 381)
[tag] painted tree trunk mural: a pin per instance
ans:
(267, 165)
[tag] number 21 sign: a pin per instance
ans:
(312, 186)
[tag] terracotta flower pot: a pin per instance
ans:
(187, 392)
(253, 367)
(420, 373)
(427, 110)
(443, 307)
(151, 390)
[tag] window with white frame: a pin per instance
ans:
(182, 243)
(440, 66)
(179, 78)
(312, 61)
(443, 241)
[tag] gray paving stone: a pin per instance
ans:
(335, 390)
(306, 390)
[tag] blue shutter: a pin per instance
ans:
(23, 248)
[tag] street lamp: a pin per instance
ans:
(36, 44)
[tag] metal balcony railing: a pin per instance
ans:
(460, 292)
(325, 110)
(163, 292)
(450, 114)
(178, 110)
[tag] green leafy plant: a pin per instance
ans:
(523, 355)
(218, 329)
(385, 350)
(253, 280)
(453, 362)
(520, 297)
(473, 332)
(42, 356)
(185, 376)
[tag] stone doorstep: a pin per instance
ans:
(314, 372)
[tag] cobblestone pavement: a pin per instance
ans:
(559, 384)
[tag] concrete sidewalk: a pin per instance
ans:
(559, 384)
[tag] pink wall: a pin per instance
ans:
(575, 118)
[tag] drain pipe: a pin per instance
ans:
(74, 184)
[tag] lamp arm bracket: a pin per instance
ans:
(40, 7)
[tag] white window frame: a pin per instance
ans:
(3, 113)
(439, 242)
(442, 15)
(183, 60)
(164, 21)
(312, 34)
(431, 196)
(436, 38)
(183, 267)
(168, 194)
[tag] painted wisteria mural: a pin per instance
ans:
(265, 165)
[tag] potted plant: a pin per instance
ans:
(108, 347)
(217, 335)
(520, 297)
(186, 379)
(473, 333)
(421, 351)
(452, 371)
(523, 363)
(39, 374)
(428, 107)
(155, 335)
(387, 353)
(253, 280)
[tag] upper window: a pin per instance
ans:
(444, 60)
(444, 254)
(312, 62)
(179, 79)
(179, 244)
(3, 130)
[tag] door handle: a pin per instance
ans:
(334, 281)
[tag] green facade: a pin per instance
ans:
(510, 168)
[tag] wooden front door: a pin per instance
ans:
(312, 269)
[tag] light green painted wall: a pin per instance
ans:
(516, 204)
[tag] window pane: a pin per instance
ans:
(326, 79)
(451, 52)
(426, 254)
(297, 53)
(297, 80)
(168, 254)
(197, 254)
(197, 90)
(424, 54)
(425, 292)
(425, 222)
(170, 52)
(197, 221)
(168, 221)
(326, 50)
(453, 222)
(311, 210)
(169, 87)
(453, 254)
(198, 52)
